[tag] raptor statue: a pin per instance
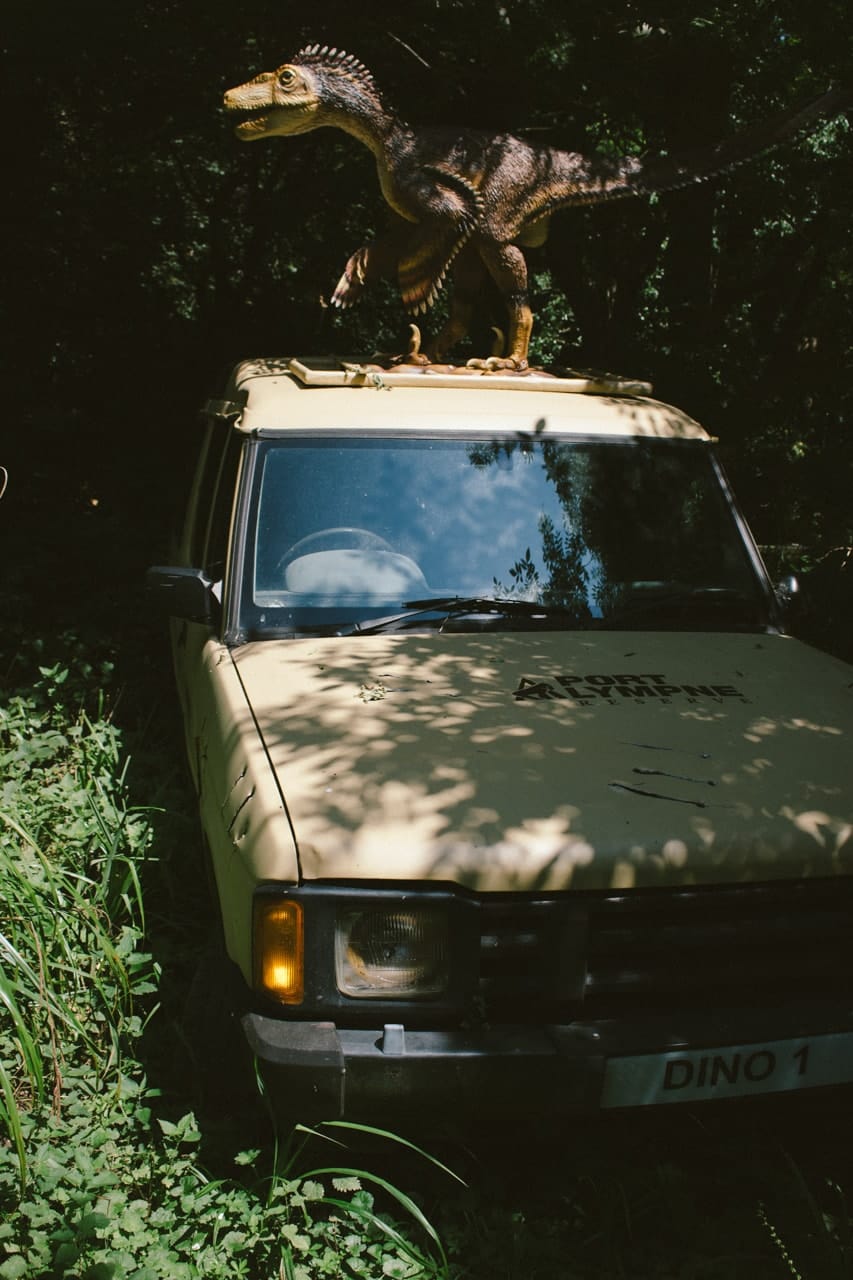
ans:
(468, 200)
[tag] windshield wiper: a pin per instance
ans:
(445, 607)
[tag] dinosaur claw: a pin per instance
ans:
(414, 355)
(346, 294)
(499, 364)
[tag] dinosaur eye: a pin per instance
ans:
(286, 77)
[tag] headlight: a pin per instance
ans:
(391, 951)
(278, 949)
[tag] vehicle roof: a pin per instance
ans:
(272, 396)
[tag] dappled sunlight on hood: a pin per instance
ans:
(547, 761)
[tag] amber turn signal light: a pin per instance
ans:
(278, 949)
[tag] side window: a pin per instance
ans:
(215, 550)
(209, 511)
(201, 497)
(206, 525)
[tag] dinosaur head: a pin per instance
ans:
(317, 87)
(277, 102)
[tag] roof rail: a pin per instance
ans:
(330, 371)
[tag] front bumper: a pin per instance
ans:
(324, 1071)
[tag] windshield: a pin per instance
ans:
(617, 533)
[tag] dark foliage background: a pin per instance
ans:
(146, 248)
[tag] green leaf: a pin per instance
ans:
(247, 1157)
(346, 1184)
(14, 1267)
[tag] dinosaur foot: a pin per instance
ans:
(433, 362)
(499, 364)
(413, 355)
(426, 362)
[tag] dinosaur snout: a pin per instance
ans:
(252, 101)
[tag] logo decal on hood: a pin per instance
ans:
(621, 687)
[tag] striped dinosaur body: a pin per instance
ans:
(466, 200)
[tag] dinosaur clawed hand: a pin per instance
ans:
(352, 282)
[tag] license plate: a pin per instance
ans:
(735, 1071)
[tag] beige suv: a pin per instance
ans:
(515, 790)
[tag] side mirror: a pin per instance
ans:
(787, 593)
(789, 598)
(178, 592)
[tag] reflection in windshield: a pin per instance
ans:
(608, 530)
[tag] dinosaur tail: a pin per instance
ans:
(598, 178)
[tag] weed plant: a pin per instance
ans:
(93, 1183)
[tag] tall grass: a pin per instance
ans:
(92, 1182)
(70, 899)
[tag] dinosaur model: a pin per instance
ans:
(467, 199)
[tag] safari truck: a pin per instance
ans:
(515, 790)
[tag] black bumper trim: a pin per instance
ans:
(324, 1071)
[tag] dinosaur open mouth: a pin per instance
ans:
(253, 123)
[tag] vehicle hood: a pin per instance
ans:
(524, 761)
